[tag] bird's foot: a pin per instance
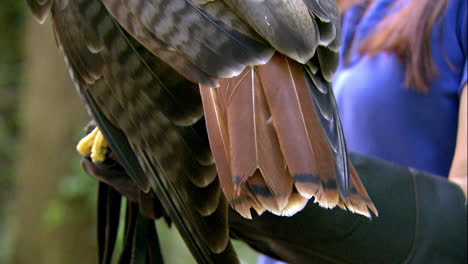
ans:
(100, 163)
(95, 145)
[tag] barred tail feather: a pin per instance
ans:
(269, 145)
(301, 137)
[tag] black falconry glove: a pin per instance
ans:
(422, 220)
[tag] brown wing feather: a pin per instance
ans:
(250, 148)
(219, 138)
(215, 118)
(301, 136)
(244, 201)
(253, 143)
(253, 153)
(359, 200)
(269, 145)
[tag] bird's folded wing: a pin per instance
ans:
(122, 55)
(140, 103)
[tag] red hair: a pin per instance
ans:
(406, 33)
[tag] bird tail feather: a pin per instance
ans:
(268, 143)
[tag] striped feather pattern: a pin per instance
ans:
(261, 70)
(146, 104)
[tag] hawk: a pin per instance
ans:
(213, 103)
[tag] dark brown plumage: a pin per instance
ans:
(263, 69)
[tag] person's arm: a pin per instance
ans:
(459, 169)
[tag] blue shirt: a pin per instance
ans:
(383, 118)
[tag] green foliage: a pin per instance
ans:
(76, 186)
(175, 251)
(245, 253)
(79, 185)
(11, 30)
(55, 214)
(7, 237)
(12, 13)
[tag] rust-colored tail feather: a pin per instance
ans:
(254, 146)
(359, 195)
(269, 146)
(219, 139)
(301, 136)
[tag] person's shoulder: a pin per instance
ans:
(457, 9)
(456, 20)
(456, 16)
(458, 3)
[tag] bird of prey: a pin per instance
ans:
(213, 103)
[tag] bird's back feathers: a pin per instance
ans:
(272, 122)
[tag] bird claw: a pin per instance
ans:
(95, 145)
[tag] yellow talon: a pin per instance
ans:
(93, 144)
(86, 143)
(99, 149)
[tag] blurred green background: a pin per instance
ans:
(47, 203)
